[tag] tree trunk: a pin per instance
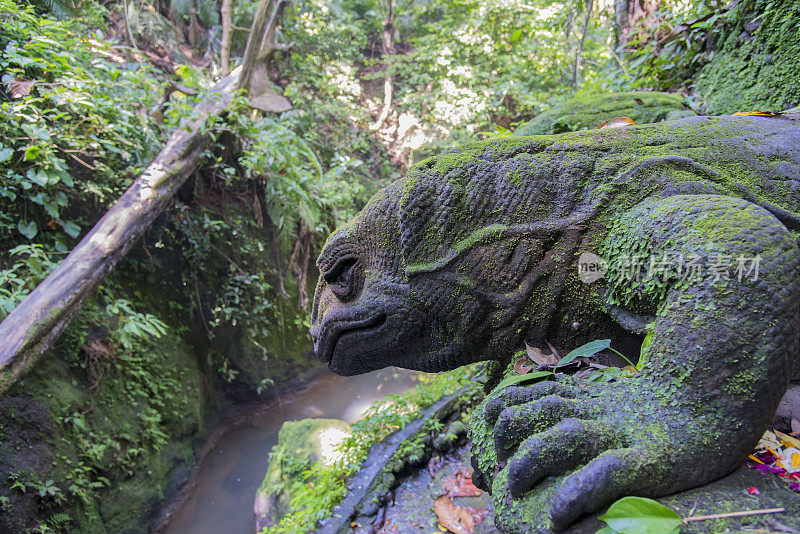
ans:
(263, 25)
(387, 49)
(128, 25)
(31, 328)
(628, 14)
(576, 71)
(225, 45)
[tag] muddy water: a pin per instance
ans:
(227, 478)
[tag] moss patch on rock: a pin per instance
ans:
(589, 111)
(301, 445)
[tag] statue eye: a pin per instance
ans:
(341, 278)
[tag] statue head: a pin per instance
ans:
(429, 276)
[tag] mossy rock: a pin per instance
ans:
(301, 445)
(756, 64)
(587, 112)
(729, 494)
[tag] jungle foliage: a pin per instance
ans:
(212, 306)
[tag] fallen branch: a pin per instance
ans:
(734, 514)
(34, 325)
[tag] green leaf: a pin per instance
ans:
(606, 530)
(519, 380)
(589, 349)
(31, 153)
(6, 153)
(648, 340)
(516, 35)
(52, 210)
(37, 132)
(70, 228)
(29, 230)
(639, 515)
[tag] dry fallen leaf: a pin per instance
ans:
(554, 352)
(618, 122)
(522, 366)
(538, 357)
(19, 88)
(457, 519)
(630, 368)
(461, 485)
(434, 464)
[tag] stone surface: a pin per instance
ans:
(588, 112)
(411, 511)
(729, 494)
(477, 250)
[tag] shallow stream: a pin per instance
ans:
(225, 482)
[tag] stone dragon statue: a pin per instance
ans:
(476, 251)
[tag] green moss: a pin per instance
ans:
(114, 449)
(300, 447)
(757, 69)
(588, 112)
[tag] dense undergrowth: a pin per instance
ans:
(211, 307)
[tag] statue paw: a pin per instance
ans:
(601, 442)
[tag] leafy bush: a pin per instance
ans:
(76, 128)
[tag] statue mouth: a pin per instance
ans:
(353, 332)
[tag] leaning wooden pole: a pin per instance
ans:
(32, 327)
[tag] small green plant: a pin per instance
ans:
(590, 349)
(133, 324)
(31, 266)
(16, 483)
(525, 379)
(49, 490)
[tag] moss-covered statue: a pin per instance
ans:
(477, 250)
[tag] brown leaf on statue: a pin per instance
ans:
(522, 366)
(538, 357)
(618, 122)
(757, 113)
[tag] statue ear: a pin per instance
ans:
(433, 218)
(443, 222)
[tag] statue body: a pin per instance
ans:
(477, 250)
